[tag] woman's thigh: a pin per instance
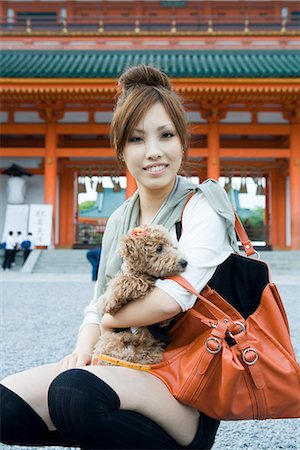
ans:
(137, 390)
(32, 386)
(144, 393)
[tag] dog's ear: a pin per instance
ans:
(126, 246)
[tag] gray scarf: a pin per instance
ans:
(126, 218)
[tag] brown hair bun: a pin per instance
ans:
(142, 75)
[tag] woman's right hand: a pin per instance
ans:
(75, 359)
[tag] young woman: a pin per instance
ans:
(71, 403)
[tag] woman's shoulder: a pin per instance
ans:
(210, 199)
(198, 206)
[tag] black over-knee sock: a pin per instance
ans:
(21, 425)
(84, 408)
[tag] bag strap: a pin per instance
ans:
(218, 313)
(243, 237)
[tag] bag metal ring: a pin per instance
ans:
(243, 327)
(249, 349)
(214, 339)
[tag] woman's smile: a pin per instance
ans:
(156, 169)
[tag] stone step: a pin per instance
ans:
(62, 261)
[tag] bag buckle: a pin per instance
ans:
(246, 358)
(214, 349)
(243, 329)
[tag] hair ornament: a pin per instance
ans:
(139, 232)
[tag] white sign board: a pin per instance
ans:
(15, 220)
(40, 224)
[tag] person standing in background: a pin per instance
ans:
(93, 256)
(10, 244)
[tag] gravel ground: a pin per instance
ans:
(37, 330)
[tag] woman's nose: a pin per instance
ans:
(153, 151)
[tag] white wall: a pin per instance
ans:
(34, 194)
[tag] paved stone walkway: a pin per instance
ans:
(40, 316)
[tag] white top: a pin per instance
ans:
(10, 242)
(204, 243)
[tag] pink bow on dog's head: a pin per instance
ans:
(139, 232)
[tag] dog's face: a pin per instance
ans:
(150, 250)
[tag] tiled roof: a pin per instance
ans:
(176, 63)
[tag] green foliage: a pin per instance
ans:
(256, 216)
(87, 205)
(254, 224)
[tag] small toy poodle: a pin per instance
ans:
(148, 254)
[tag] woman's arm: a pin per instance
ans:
(155, 307)
(81, 356)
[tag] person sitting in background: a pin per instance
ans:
(93, 257)
(10, 244)
(27, 246)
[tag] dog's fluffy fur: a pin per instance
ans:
(148, 253)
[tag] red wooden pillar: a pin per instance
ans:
(51, 172)
(295, 183)
(281, 216)
(213, 160)
(66, 208)
(131, 185)
(274, 208)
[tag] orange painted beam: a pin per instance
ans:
(22, 152)
(198, 128)
(83, 128)
(190, 85)
(103, 128)
(295, 185)
(261, 128)
(254, 153)
(86, 152)
(20, 128)
(110, 153)
(197, 152)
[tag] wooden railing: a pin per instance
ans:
(137, 24)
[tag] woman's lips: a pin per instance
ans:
(156, 169)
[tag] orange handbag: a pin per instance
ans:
(231, 355)
(232, 365)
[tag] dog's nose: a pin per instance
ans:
(183, 263)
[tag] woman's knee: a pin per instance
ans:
(76, 399)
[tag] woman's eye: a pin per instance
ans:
(135, 139)
(167, 135)
(159, 248)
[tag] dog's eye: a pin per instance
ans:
(159, 248)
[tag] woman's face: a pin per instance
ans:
(153, 153)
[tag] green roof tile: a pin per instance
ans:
(176, 63)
